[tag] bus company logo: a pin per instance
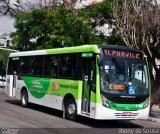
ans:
(32, 83)
(36, 84)
(55, 85)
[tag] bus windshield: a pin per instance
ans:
(124, 77)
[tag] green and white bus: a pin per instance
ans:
(100, 82)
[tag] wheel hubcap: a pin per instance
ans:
(71, 109)
(24, 99)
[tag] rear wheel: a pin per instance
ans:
(24, 98)
(70, 109)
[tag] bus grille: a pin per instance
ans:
(127, 100)
(126, 114)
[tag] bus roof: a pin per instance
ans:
(76, 49)
(119, 47)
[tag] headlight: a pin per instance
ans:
(145, 104)
(105, 101)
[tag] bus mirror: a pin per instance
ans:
(99, 60)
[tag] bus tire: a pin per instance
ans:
(70, 109)
(24, 98)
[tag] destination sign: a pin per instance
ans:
(116, 87)
(122, 54)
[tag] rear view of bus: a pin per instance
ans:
(124, 84)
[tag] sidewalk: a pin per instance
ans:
(156, 108)
(155, 114)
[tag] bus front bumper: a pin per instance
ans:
(103, 113)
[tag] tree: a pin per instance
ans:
(3, 62)
(99, 15)
(138, 22)
(49, 28)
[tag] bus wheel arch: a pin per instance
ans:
(69, 107)
(24, 97)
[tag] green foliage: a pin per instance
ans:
(94, 10)
(3, 62)
(102, 13)
(52, 27)
(115, 39)
(29, 25)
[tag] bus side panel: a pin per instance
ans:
(20, 85)
(58, 89)
(53, 101)
(34, 100)
(50, 92)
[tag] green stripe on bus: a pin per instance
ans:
(39, 87)
(85, 48)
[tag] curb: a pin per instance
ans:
(156, 110)
(154, 119)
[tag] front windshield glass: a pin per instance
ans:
(124, 77)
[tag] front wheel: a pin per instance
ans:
(24, 98)
(70, 109)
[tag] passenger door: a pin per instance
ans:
(88, 79)
(11, 80)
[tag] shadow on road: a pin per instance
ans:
(82, 120)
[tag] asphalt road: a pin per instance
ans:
(38, 119)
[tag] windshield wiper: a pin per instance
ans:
(138, 63)
(118, 65)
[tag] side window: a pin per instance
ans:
(16, 66)
(51, 65)
(13, 66)
(25, 65)
(36, 65)
(67, 65)
(9, 70)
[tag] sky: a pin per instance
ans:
(6, 24)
